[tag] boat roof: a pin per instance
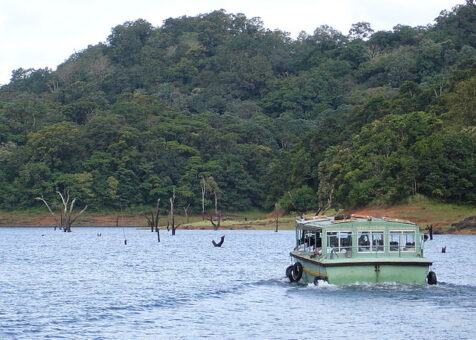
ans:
(323, 221)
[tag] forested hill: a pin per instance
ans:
(327, 119)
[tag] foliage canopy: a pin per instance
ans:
(326, 119)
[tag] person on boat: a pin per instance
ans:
(364, 242)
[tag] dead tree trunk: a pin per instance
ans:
(216, 202)
(329, 200)
(277, 211)
(219, 244)
(215, 225)
(156, 223)
(153, 220)
(203, 188)
(185, 209)
(67, 218)
(209, 184)
(172, 215)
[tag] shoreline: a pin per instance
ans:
(249, 226)
(145, 228)
(422, 215)
(181, 228)
(195, 222)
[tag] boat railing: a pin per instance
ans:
(376, 242)
(358, 250)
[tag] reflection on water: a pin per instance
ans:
(79, 285)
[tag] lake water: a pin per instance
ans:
(81, 286)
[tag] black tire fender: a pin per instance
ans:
(289, 273)
(297, 271)
(431, 278)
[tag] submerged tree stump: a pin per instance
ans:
(66, 217)
(219, 243)
(153, 220)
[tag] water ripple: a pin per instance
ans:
(77, 285)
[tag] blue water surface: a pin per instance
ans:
(83, 286)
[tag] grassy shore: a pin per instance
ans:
(424, 212)
(419, 210)
(247, 220)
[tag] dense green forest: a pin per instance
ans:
(324, 120)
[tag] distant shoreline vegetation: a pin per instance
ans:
(442, 216)
(222, 113)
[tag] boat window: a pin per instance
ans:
(309, 240)
(402, 241)
(345, 240)
(364, 241)
(303, 237)
(408, 240)
(394, 241)
(339, 241)
(299, 237)
(371, 241)
(332, 240)
(318, 238)
(377, 241)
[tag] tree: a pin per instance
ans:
(79, 111)
(57, 145)
(277, 212)
(299, 200)
(172, 213)
(153, 220)
(126, 41)
(31, 80)
(213, 187)
(216, 226)
(66, 218)
(186, 211)
(219, 94)
(463, 101)
(203, 189)
(457, 25)
(360, 30)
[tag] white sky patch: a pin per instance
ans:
(44, 33)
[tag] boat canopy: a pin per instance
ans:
(357, 234)
(325, 222)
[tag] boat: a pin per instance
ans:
(348, 249)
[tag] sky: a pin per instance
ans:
(44, 33)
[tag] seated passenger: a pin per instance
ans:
(364, 243)
(393, 245)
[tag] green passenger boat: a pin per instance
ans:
(350, 249)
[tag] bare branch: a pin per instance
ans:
(149, 221)
(72, 205)
(157, 214)
(215, 225)
(46, 203)
(65, 204)
(218, 244)
(210, 218)
(74, 219)
(185, 209)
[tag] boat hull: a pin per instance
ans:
(343, 271)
